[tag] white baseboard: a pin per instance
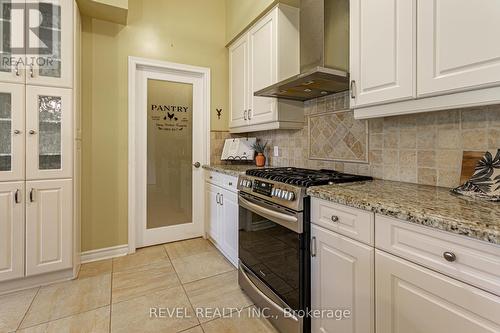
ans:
(105, 253)
(35, 281)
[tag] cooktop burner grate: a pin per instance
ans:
(305, 177)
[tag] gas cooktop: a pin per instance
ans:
(287, 186)
(305, 177)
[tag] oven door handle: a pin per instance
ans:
(280, 218)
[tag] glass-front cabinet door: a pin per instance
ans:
(36, 42)
(49, 54)
(12, 52)
(11, 132)
(49, 133)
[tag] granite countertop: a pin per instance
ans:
(420, 204)
(230, 169)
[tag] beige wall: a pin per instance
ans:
(240, 13)
(190, 32)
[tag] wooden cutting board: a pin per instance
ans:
(469, 162)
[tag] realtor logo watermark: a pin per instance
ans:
(31, 34)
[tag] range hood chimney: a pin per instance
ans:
(324, 53)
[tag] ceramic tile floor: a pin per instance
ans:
(117, 295)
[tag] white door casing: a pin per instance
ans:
(139, 71)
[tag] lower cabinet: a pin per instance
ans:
(11, 230)
(222, 220)
(342, 272)
(49, 226)
(36, 227)
(414, 299)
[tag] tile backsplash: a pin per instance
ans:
(423, 148)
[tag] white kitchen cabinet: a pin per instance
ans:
(212, 211)
(46, 60)
(49, 226)
(12, 149)
(49, 126)
(342, 274)
(457, 45)
(420, 56)
(38, 136)
(221, 214)
(265, 54)
(238, 81)
(413, 299)
(382, 51)
(230, 225)
(11, 230)
(262, 68)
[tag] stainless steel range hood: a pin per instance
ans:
(324, 53)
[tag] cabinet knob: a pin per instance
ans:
(17, 132)
(32, 132)
(245, 115)
(449, 256)
(230, 183)
(249, 114)
(353, 89)
(335, 218)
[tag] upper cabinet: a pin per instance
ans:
(12, 132)
(238, 80)
(410, 56)
(49, 139)
(46, 56)
(457, 45)
(265, 54)
(382, 51)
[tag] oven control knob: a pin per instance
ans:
(273, 192)
(278, 193)
(291, 196)
(249, 183)
(284, 195)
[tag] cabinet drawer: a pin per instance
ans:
(225, 181)
(348, 221)
(476, 262)
(411, 298)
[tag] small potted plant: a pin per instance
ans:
(260, 148)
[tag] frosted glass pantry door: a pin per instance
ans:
(11, 132)
(49, 133)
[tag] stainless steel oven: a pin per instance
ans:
(274, 239)
(274, 260)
